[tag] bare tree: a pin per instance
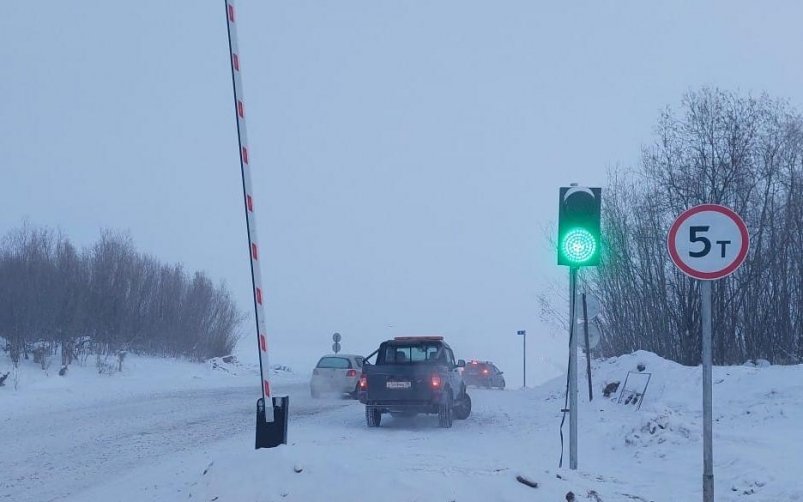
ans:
(743, 152)
(52, 295)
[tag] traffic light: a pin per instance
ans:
(579, 226)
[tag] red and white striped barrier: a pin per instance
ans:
(250, 216)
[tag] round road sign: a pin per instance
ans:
(708, 242)
(336, 347)
(336, 337)
(592, 307)
(593, 334)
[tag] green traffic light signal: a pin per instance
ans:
(579, 245)
(579, 226)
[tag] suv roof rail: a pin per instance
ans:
(413, 338)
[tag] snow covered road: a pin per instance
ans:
(118, 443)
(48, 456)
(509, 433)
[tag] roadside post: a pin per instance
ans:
(272, 412)
(522, 333)
(587, 348)
(591, 332)
(708, 242)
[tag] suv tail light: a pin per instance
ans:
(363, 382)
(485, 371)
(435, 381)
(351, 373)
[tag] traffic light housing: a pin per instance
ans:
(579, 226)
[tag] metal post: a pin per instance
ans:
(524, 353)
(708, 453)
(588, 349)
(572, 371)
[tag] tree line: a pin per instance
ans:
(743, 152)
(105, 299)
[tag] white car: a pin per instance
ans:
(336, 373)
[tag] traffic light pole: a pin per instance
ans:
(579, 245)
(572, 370)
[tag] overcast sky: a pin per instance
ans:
(406, 155)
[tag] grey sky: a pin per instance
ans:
(406, 155)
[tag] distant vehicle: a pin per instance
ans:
(336, 373)
(414, 374)
(483, 374)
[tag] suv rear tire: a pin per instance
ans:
(463, 409)
(373, 416)
(445, 412)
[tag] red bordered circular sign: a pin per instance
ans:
(708, 242)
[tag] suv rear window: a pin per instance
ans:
(418, 353)
(334, 362)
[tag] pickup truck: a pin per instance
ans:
(411, 375)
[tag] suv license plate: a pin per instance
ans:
(398, 385)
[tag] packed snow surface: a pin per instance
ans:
(179, 431)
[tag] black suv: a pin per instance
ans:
(411, 375)
(483, 374)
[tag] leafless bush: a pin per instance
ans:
(105, 364)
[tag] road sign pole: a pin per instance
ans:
(708, 446)
(572, 371)
(588, 349)
(522, 333)
(708, 242)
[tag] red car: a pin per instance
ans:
(483, 374)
